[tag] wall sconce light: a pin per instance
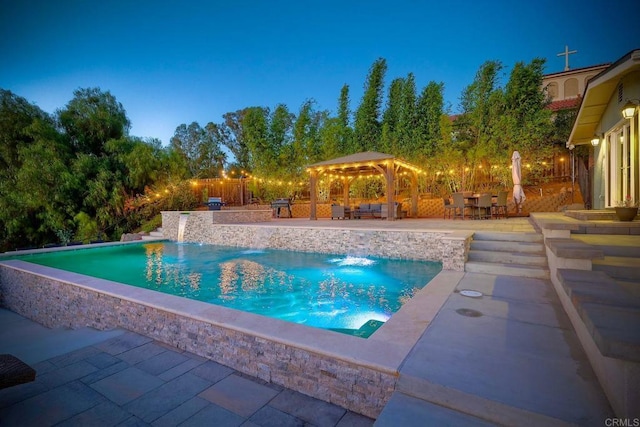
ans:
(629, 109)
(595, 140)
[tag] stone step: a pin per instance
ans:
(620, 251)
(632, 287)
(531, 271)
(619, 268)
(150, 238)
(506, 236)
(157, 233)
(507, 246)
(447, 406)
(508, 258)
(405, 410)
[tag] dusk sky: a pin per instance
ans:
(170, 63)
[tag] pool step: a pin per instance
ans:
(504, 253)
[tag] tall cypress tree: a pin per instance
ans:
(392, 116)
(367, 127)
(407, 120)
(429, 111)
(345, 132)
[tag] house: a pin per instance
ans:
(565, 90)
(600, 123)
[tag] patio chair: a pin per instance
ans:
(448, 208)
(484, 207)
(499, 208)
(461, 206)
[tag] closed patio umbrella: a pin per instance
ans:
(516, 174)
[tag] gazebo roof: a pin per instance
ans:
(362, 163)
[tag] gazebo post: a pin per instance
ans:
(414, 194)
(391, 202)
(345, 191)
(313, 175)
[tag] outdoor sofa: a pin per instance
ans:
(368, 210)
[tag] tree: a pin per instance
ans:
(92, 118)
(231, 136)
(200, 149)
(429, 111)
(408, 145)
(255, 130)
(528, 122)
(33, 172)
(16, 116)
(279, 138)
(390, 133)
(367, 126)
(141, 161)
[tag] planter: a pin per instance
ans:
(626, 214)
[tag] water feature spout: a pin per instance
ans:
(182, 224)
(261, 238)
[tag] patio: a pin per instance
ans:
(523, 333)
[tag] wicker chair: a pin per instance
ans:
(484, 207)
(499, 208)
(448, 208)
(460, 206)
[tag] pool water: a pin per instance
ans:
(347, 294)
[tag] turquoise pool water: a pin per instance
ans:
(347, 294)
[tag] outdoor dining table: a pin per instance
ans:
(474, 199)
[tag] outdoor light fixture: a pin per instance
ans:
(629, 108)
(595, 141)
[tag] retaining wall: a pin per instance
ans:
(448, 247)
(200, 329)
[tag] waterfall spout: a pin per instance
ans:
(182, 224)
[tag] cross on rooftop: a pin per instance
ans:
(566, 54)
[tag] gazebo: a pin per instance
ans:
(367, 163)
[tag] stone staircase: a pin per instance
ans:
(154, 235)
(508, 253)
(620, 262)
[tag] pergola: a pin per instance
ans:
(368, 163)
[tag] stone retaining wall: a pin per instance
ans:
(55, 303)
(449, 248)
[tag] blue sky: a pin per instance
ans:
(171, 62)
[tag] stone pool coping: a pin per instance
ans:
(355, 373)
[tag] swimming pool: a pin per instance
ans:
(352, 295)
